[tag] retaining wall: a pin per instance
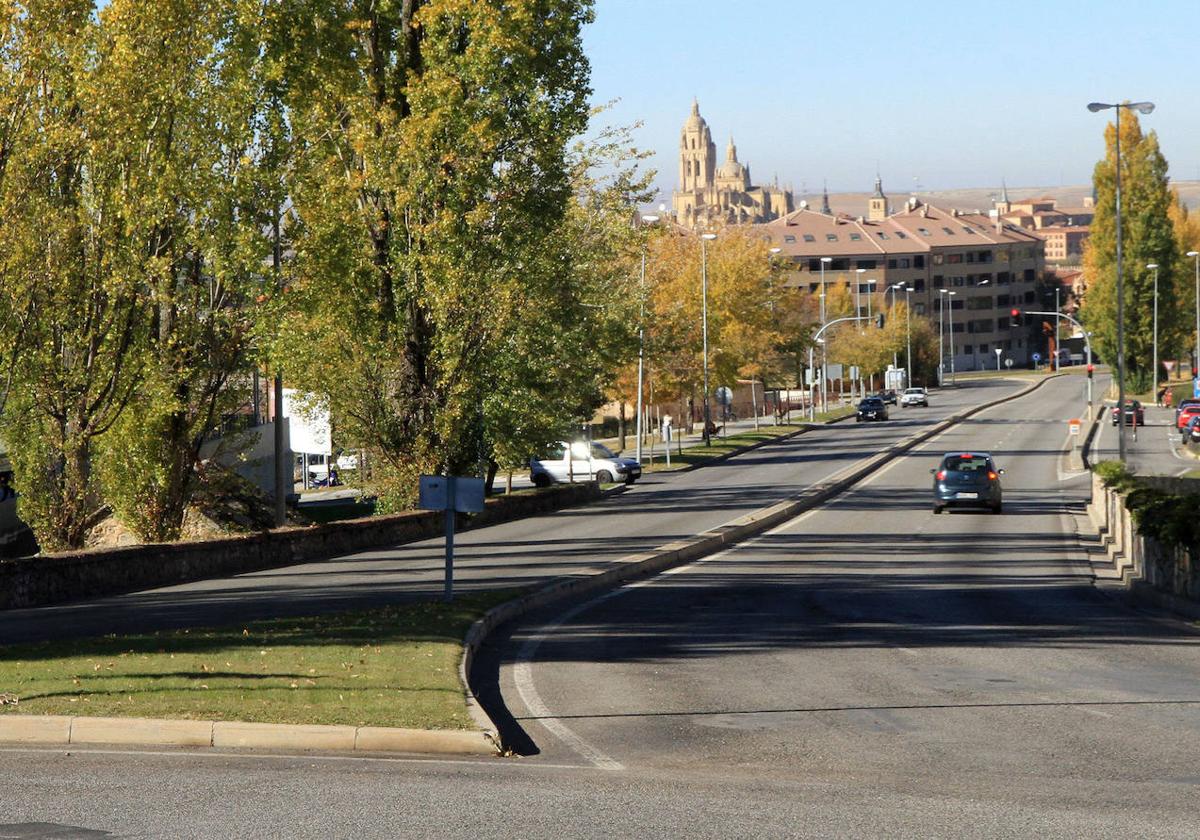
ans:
(57, 578)
(1164, 575)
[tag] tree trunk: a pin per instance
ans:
(621, 424)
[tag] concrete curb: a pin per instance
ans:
(684, 551)
(57, 729)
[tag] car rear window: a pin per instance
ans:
(966, 463)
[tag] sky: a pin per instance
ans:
(937, 95)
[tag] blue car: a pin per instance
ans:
(967, 479)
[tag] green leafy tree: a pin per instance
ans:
(1148, 237)
(430, 167)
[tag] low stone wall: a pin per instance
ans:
(58, 578)
(1166, 575)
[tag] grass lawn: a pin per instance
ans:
(394, 666)
(723, 446)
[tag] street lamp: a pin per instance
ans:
(648, 219)
(946, 302)
(705, 238)
(1154, 375)
(1141, 108)
(824, 349)
(892, 289)
(908, 370)
(1196, 350)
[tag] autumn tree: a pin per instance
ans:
(1148, 237)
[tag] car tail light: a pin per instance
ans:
(941, 475)
(992, 476)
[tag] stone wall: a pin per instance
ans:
(1165, 575)
(58, 578)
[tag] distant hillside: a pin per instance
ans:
(855, 204)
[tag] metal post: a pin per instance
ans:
(1057, 326)
(1196, 349)
(448, 590)
(1154, 375)
(1120, 307)
(941, 334)
(704, 326)
(953, 378)
(641, 353)
(824, 349)
(281, 469)
(812, 387)
(908, 329)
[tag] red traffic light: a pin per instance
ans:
(1016, 313)
(1091, 368)
(1014, 318)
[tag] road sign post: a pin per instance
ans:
(451, 494)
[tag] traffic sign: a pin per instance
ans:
(1073, 425)
(1037, 357)
(1169, 364)
(1008, 363)
(1196, 387)
(725, 395)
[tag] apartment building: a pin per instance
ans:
(982, 265)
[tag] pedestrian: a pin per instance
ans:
(1168, 398)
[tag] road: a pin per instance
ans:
(867, 669)
(1154, 451)
(659, 509)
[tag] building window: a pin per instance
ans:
(789, 238)
(831, 237)
(967, 229)
(983, 348)
(904, 263)
(866, 264)
(970, 256)
(939, 282)
(919, 285)
(1003, 277)
(959, 280)
(919, 308)
(923, 231)
(985, 256)
(967, 349)
(919, 261)
(954, 259)
(856, 237)
(949, 232)
(891, 263)
(1002, 300)
(938, 259)
(881, 234)
(958, 328)
(1030, 275)
(1029, 297)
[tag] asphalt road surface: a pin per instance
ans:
(659, 509)
(868, 669)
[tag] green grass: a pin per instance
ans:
(394, 666)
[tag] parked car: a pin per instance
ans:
(587, 462)
(967, 479)
(914, 396)
(1184, 403)
(1134, 414)
(888, 395)
(871, 408)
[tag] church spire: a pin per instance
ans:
(825, 199)
(731, 151)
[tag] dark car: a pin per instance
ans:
(1134, 414)
(967, 479)
(888, 396)
(871, 408)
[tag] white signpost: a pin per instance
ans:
(450, 493)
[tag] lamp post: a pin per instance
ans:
(892, 289)
(648, 219)
(824, 350)
(705, 238)
(774, 251)
(1154, 375)
(953, 378)
(908, 334)
(1141, 108)
(1196, 349)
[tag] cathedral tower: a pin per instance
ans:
(697, 153)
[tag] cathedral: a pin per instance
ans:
(709, 193)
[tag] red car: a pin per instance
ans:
(1185, 414)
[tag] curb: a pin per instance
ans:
(684, 551)
(62, 730)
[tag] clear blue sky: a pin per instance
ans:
(956, 94)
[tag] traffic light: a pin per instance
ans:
(1014, 318)
(1091, 370)
(879, 320)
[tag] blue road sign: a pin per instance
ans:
(1196, 387)
(1037, 357)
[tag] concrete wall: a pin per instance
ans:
(58, 578)
(1166, 576)
(251, 454)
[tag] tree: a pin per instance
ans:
(1148, 237)
(431, 166)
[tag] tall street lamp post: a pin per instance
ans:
(1196, 349)
(775, 252)
(705, 238)
(941, 336)
(1141, 108)
(891, 289)
(1154, 375)
(824, 350)
(953, 378)
(642, 344)
(908, 370)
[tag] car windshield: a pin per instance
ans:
(966, 463)
(913, 391)
(599, 450)
(869, 402)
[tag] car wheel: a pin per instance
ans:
(629, 481)
(604, 477)
(937, 508)
(541, 480)
(997, 508)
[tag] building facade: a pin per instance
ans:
(989, 266)
(710, 193)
